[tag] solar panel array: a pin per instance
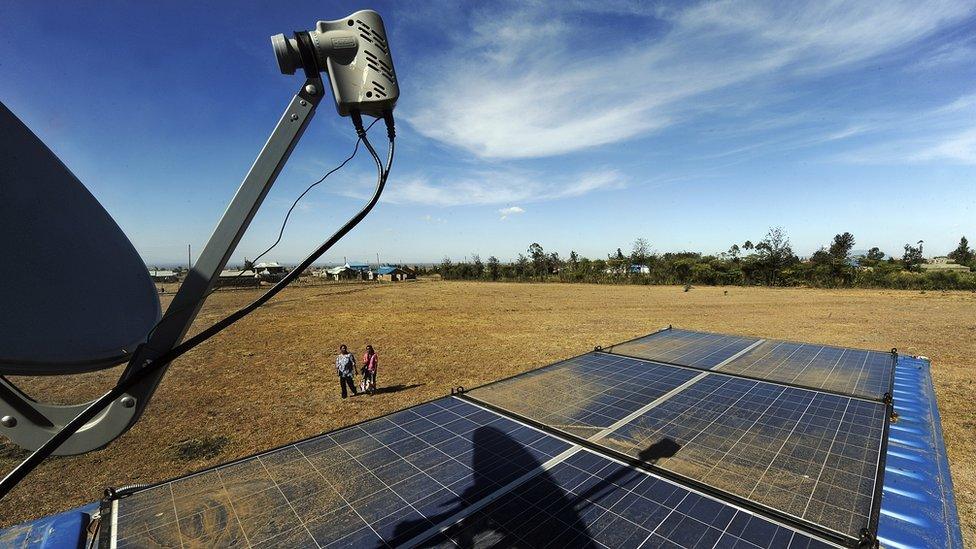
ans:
(867, 374)
(433, 475)
(807, 454)
(550, 458)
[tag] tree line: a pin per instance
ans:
(768, 262)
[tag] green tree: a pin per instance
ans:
(477, 266)
(553, 263)
(521, 266)
(640, 250)
(734, 252)
(840, 248)
(875, 254)
(912, 257)
(493, 267)
(774, 253)
(538, 256)
(963, 254)
(447, 268)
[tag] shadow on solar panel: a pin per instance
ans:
(804, 455)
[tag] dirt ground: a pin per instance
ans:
(269, 380)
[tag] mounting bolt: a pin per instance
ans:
(303, 102)
(311, 90)
(8, 421)
(294, 117)
(128, 402)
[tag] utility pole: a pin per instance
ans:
(377, 259)
(188, 262)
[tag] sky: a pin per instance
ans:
(578, 125)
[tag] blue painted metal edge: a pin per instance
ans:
(67, 529)
(918, 505)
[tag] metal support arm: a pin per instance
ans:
(28, 427)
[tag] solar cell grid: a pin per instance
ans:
(857, 372)
(585, 394)
(601, 503)
(382, 482)
(849, 371)
(811, 455)
(687, 348)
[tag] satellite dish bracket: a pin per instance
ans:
(30, 424)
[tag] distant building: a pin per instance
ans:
(392, 273)
(160, 275)
(270, 272)
(237, 278)
(943, 263)
(349, 271)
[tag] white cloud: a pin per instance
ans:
(511, 210)
(541, 81)
(958, 148)
(484, 187)
(945, 133)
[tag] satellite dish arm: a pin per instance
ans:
(30, 430)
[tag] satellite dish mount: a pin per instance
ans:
(354, 53)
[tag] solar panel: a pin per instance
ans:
(379, 482)
(868, 374)
(808, 455)
(437, 474)
(687, 348)
(590, 501)
(814, 456)
(863, 373)
(585, 394)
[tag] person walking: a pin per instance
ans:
(346, 368)
(369, 370)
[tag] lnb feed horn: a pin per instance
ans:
(354, 52)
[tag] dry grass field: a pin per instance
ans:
(269, 379)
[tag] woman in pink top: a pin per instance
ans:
(369, 370)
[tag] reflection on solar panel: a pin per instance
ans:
(441, 473)
(849, 371)
(381, 482)
(810, 455)
(687, 348)
(866, 374)
(605, 504)
(584, 394)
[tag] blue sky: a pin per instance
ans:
(693, 125)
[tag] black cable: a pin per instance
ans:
(281, 232)
(39, 455)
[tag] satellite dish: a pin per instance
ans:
(76, 295)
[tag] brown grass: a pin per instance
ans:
(269, 380)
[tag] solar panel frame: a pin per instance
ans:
(800, 523)
(885, 397)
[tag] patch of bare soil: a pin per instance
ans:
(269, 380)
